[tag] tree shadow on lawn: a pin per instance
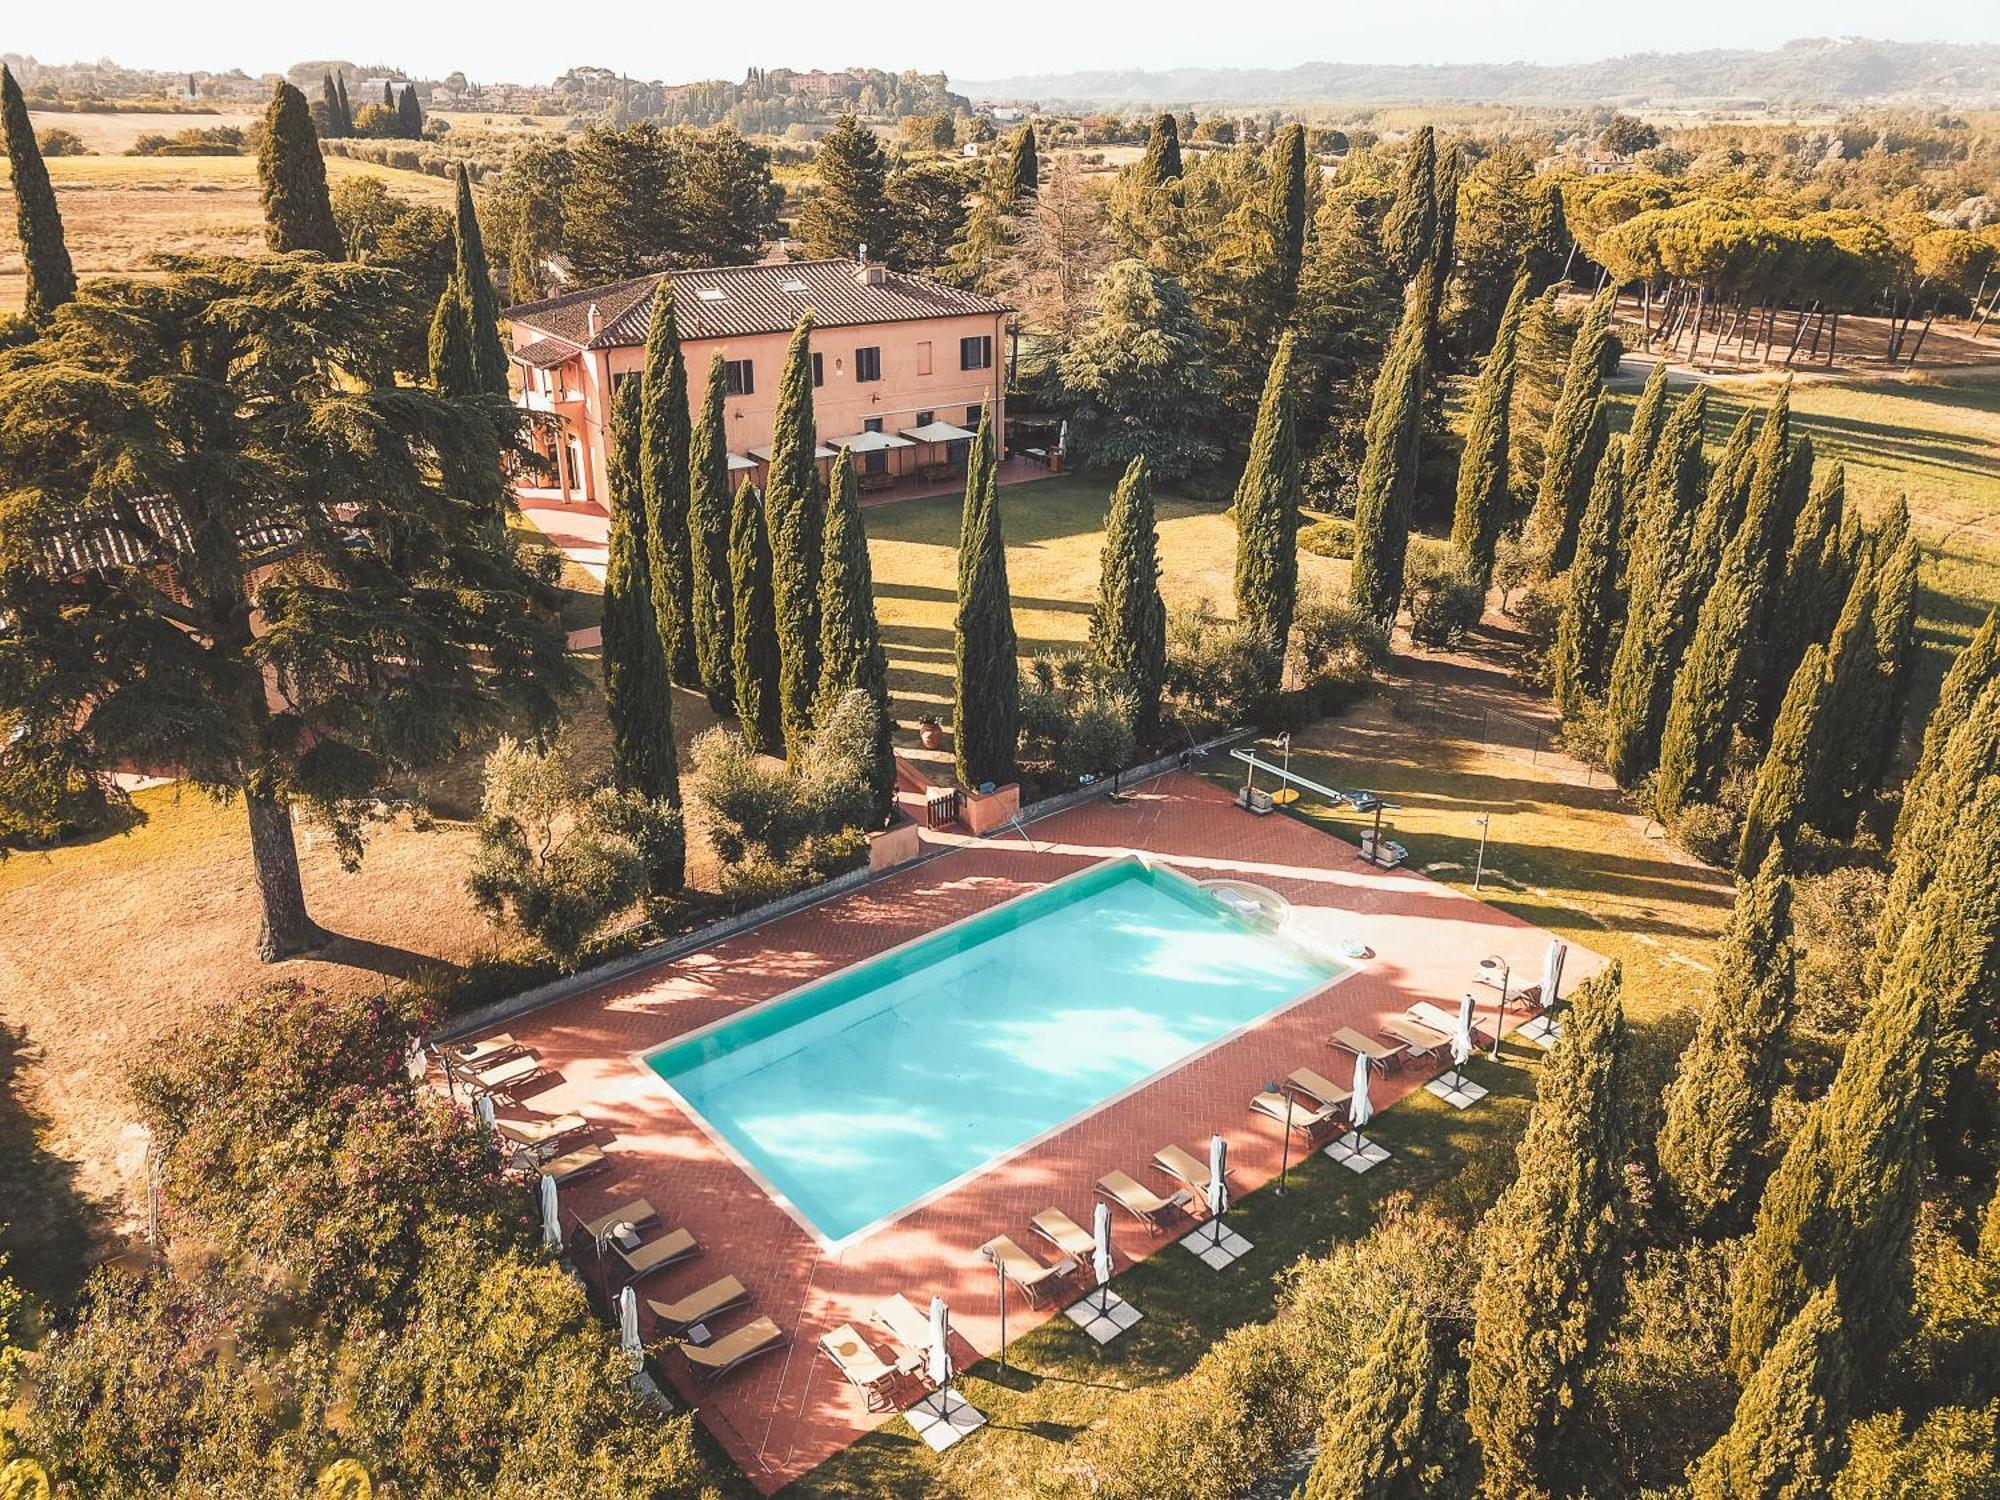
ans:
(46, 1224)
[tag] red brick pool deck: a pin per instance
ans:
(789, 1410)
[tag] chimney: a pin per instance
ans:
(868, 273)
(590, 320)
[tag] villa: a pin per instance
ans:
(902, 366)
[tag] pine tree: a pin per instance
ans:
(1642, 439)
(1394, 1432)
(797, 521)
(663, 466)
(1787, 1439)
(850, 640)
(1128, 629)
(451, 345)
(483, 307)
(1548, 237)
(1717, 1127)
(1570, 451)
(1657, 580)
(1289, 206)
(987, 683)
(756, 659)
(637, 698)
(51, 279)
(291, 175)
(1590, 605)
(1388, 481)
(1161, 164)
(1714, 686)
(708, 539)
(410, 114)
(1267, 522)
(851, 208)
(1549, 1274)
(1483, 489)
(1409, 233)
(1024, 168)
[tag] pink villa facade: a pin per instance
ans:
(893, 354)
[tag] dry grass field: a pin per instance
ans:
(113, 135)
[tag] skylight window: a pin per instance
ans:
(710, 293)
(794, 285)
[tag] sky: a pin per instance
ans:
(521, 42)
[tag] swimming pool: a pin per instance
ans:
(860, 1095)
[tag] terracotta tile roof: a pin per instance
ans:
(545, 352)
(753, 299)
(100, 541)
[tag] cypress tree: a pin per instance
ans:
(1971, 671)
(1024, 168)
(1788, 1436)
(1444, 247)
(1717, 1126)
(850, 640)
(1789, 776)
(1590, 606)
(410, 114)
(1483, 491)
(708, 540)
(469, 259)
(987, 697)
(637, 698)
(756, 664)
(1288, 209)
(797, 521)
(51, 278)
(1161, 164)
(1409, 233)
(1570, 453)
(1658, 577)
(329, 104)
(388, 94)
(1723, 508)
(451, 344)
(1549, 1273)
(1548, 236)
(663, 465)
(1128, 629)
(291, 176)
(346, 109)
(1642, 438)
(1388, 482)
(1712, 689)
(1893, 624)
(1814, 580)
(1394, 1432)
(1853, 673)
(1267, 522)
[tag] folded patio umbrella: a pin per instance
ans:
(1100, 1255)
(1461, 1036)
(1218, 1182)
(628, 1326)
(1359, 1110)
(482, 1109)
(940, 1351)
(551, 1215)
(1552, 970)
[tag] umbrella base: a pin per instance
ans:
(943, 1417)
(1216, 1245)
(1456, 1089)
(1543, 1030)
(1357, 1153)
(1103, 1315)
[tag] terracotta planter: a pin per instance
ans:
(931, 734)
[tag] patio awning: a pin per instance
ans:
(873, 442)
(938, 432)
(738, 462)
(763, 455)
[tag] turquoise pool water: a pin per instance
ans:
(862, 1093)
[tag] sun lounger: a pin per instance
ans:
(1421, 1040)
(1289, 1112)
(576, 1164)
(864, 1368)
(1439, 1019)
(908, 1327)
(474, 1057)
(505, 1077)
(1350, 1040)
(1317, 1087)
(1038, 1283)
(648, 1256)
(1068, 1236)
(635, 1211)
(541, 1133)
(711, 1301)
(1140, 1201)
(710, 1362)
(1190, 1172)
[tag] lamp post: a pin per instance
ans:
(1000, 1273)
(1286, 793)
(1500, 1020)
(1485, 822)
(1285, 1159)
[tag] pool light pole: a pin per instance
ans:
(1285, 1159)
(1485, 822)
(1000, 1274)
(1499, 1021)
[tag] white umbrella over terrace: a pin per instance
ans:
(551, 1214)
(738, 463)
(873, 442)
(763, 455)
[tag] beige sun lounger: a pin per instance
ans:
(1068, 1236)
(635, 1211)
(1140, 1201)
(1287, 1111)
(505, 1077)
(1038, 1283)
(908, 1327)
(1350, 1040)
(1420, 1039)
(475, 1057)
(710, 1362)
(540, 1132)
(1439, 1019)
(698, 1306)
(568, 1168)
(648, 1256)
(1316, 1086)
(865, 1370)
(1185, 1169)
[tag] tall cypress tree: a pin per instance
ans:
(1789, 776)
(329, 105)
(1788, 1436)
(756, 665)
(797, 522)
(663, 466)
(850, 639)
(1267, 522)
(1409, 233)
(1288, 210)
(1853, 674)
(1571, 450)
(1642, 439)
(708, 545)
(987, 696)
(51, 278)
(410, 114)
(1388, 482)
(451, 344)
(637, 698)
(1657, 580)
(1483, 490)
(346, 109)
(1971, 671)
(1590, 606)
(291, 176)
(1394, 1432)
(1161, 164)
(469, 258)
(1814, 579)
(1713, 686)
(1024, 167)
(1549, 1273)
(1717, 1127)
(1128, 629)
(1878, 729)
